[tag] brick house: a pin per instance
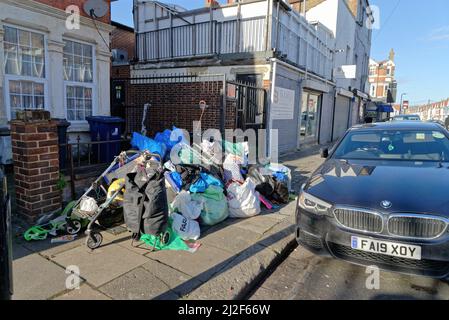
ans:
(123, 44)
(46, 65)
(382, 78)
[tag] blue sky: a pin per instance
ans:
(417, 30)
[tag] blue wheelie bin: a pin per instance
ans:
(104, 128)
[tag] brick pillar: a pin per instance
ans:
(36, 167)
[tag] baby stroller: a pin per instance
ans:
(98, 200)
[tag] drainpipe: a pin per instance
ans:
(333, 115)
(273, 86)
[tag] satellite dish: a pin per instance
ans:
(96, 8)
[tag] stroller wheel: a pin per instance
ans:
(94, 240)
(165, 238)
(73, 227)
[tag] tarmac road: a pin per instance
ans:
(304, 276)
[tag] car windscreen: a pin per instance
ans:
(394, 145)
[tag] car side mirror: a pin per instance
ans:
(325, 153)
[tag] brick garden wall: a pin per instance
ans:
(176, 104)
(36, 168)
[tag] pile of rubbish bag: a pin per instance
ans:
(168, 190)
(207, 192)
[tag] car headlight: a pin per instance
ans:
(313, 204)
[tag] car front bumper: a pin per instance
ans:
(323, 236)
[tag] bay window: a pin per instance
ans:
(78, 80)
(25, 68)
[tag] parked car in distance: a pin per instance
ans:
(407, 117)
(441, 123)
(381, 199)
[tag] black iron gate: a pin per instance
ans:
(251, 106)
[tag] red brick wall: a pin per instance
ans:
(120, 72)
(176, 104)
(36, 167)
(63, 4)
(124, 40)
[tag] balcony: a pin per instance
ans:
(251, 27)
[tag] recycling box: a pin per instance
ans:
(104, 128)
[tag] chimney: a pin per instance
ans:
(392, 54)
(211, 3)
(296, 5)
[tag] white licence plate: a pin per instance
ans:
(386, 248)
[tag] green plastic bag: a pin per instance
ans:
(215, 208)
(175, 243)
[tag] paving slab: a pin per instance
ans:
(230, 238)
(179, 282)
(258, 224)
(138, 284)
(19, 251)
(202, 264)
(84, 293)
(266, 294)
(48, 250)
(235, 280)
(280, 237)
(101, 265)
(36, 278)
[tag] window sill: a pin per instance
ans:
(78, 126)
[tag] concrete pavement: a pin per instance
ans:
(304, 276)
(235, 255)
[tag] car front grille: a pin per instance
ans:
(359, 220)
(436, 268)
(416, 227)
(310, 240)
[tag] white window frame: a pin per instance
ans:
(92, 85)
(12, 77)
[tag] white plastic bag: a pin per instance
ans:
(88, 205)
(189, 208)
(187, 229)
(231, 168)
(243, 200)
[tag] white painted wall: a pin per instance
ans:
(49, 21)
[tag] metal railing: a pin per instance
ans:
(287, 33)
(86, 159)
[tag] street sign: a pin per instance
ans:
(405, 105)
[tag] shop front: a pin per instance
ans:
(310, 117)
(342, 113)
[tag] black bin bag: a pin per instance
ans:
(145, 203)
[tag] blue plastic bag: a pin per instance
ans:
(165, 138)
(176, 177)
(199, 186)
(144, 143)
(211, 180)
